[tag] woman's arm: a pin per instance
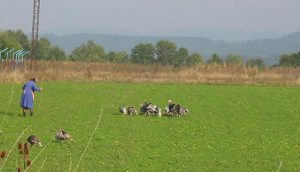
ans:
(35, 88)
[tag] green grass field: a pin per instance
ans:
(229, 128)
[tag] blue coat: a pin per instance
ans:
(27, 98)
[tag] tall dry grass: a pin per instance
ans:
(96, 71)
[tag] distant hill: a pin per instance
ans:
(268, 49)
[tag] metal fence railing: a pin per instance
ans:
(8, 54)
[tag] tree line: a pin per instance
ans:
(290, 60)
(163, 52)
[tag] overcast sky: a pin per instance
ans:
(216, 19)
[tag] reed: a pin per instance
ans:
(9, 152)
(37, 156)
(2, 155)
(41, 167)
(90, 139)
(125, 72)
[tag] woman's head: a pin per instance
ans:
(35, 79)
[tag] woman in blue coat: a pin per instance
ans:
(27, 99)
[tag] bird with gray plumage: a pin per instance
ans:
(170, 108)
(173, 109)
(150, 109)
(62, 135)
(128, 111)
(33, 139)
(146, 107)
(180, 110)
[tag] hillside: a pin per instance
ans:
(268, 49)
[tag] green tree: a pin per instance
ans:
(117, 57)
(55, 53)
(88, 51)
(290, 60)
(285, 60)
(46, 51)
(20, 37)
(215, 58)
(43, 50)
(181, 57)
(165, 51)
(18, 40)
(234, 59)
(256, 62)
(7, 41)
(194, 58)
(143, 54)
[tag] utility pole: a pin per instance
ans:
(35, 29)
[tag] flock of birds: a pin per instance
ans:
(148, 109)
(60, 135)
(172, 109)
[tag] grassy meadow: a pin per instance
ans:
(229, 128)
